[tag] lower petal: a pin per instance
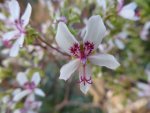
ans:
(21, 40)
(85, 78)
(9, 35)
(16, 46)
(68, 69)
(21, 95)
(14, 49)
(106, 60)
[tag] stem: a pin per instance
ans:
(41, 38)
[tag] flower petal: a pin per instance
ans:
(21, 40)
(21, 95)
(26, 15)
(130, 6)
(68, 69)
(64, 38)
(14, 49)
(127, 14)
(36, 78)
(30, 98)
(21, 78)
(16, 91)
(39, 92)
(85, 87)
(119, 43)
(143, 86)
(16, 46)
(2, 17)
(9, 35)
(95, 30)
(17, 111)
(106, 60)
(128, 11)
(14, 9)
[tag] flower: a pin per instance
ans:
(145, 33)
(19, 23)
(128, 11)
(30, 106)
(95, 31)
(29, 87)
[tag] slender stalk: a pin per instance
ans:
(41, 38)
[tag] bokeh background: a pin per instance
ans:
(112, 91)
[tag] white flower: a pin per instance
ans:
(128, 11)
(30, 106)
(145, 33)
(19, 23)
(29, 87)
(95, 31)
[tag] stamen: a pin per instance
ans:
(88, 48)
(29, 85)
(19, 26)
(80, 51)
(75, 50)
(84, 78)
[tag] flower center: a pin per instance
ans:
(29, 85)
(82, 51)
(19, 26)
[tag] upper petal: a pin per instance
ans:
(127, 14)
(106, 60)
(95, 30)
(68, 69)
(131, 6)
(128, 11)
(84, 87)
(21, 78)
(14, 9)
(26, 15)
(64, 38)
(21, 95)
(36, 78)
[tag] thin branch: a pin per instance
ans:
(41, 38)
